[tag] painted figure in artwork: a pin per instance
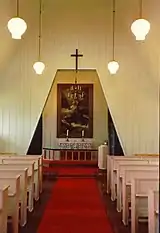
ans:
(75, 116)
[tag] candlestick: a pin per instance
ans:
(82, 133)
(67, 132)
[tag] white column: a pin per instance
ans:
(102, 157)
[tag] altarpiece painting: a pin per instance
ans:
(74, 113)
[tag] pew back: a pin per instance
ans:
(3, 207)
(126, 185)
(139, 198)
(153, 211)
(113, 161)
(12, 181)
(10, 166)
(128, 169)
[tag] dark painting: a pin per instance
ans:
(74, 114)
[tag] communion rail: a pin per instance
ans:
(70, 154)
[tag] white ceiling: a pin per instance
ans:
(126, 10)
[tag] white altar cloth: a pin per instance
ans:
(75, 143)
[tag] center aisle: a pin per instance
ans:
(75, 206)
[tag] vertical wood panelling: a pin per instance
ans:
(132, 95)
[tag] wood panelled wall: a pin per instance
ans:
(132, 95)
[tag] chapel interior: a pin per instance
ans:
(79, 116)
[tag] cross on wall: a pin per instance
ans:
(76, 55)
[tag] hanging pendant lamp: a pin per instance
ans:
(17, 26)
(39, 66)
(113, 65)
(140, 27)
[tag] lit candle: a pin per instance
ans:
(82, 133)
(67, 132)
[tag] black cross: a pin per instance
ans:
(76, 56)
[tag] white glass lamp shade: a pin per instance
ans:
(140, 28)
(113, 67)
(17, 27)
(39, 67)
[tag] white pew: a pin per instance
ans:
(109, 158)
(16, 160)
(111, 164)
(7, 173)
(3, 208)
(153, 211)
(149, 155)
(13, 199)
(38, 159)
(40, 165)
(139, 198)
(115, 163)
(122, 168)
(30, 180)
(126, 188)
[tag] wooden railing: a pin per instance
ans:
(70, 154)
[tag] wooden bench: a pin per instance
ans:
(109, 158)
(7, 173)
(112, 160)
(3, 207)
(115, 163)
(30, 180)
(13, 199)
(110, 165)
(139, 198)
(13, 160)
(127, 167)
(126, 188)
(38, 159)
(153, 211)
(145, 155)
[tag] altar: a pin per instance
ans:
(72, 149)
(75, 143)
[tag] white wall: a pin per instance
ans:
(100, 111)
(132, 95)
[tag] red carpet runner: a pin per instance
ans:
(75, 206)
(70, 168)
(72, 171)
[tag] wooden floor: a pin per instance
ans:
(34, 218)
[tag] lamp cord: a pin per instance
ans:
(40, 30)
(17, 6)
(140, 9)
(113, 27)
